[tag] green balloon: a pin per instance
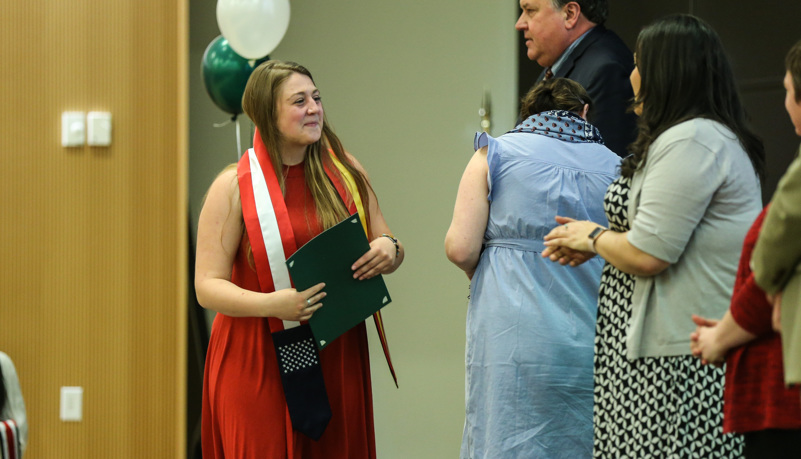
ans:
(225, 74)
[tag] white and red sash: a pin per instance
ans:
(269, 229)
(10, 446)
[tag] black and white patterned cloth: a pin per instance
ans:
(667, 407)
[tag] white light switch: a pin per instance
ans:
(71, 403)
(73, 132)
(98, 129)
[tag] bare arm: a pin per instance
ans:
(219, 234)
(383, 257)
(470, 213)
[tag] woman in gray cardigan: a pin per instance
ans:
(678, 216)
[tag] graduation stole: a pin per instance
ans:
(10, 445)
(270, 230)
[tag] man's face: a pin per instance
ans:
(544, 30)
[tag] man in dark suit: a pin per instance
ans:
(569, 40)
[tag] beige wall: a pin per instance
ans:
(401, 84)
(93, 240)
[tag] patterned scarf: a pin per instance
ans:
(562, 125)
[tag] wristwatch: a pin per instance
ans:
(594, 234)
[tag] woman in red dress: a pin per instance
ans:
(316, 184)
(756, 401)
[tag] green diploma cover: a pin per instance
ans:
(328, 258)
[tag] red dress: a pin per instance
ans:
(755, 397)
(244, 413)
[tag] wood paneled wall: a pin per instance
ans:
(93, 240)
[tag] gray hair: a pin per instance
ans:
(595, 11)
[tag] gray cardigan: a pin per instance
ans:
(690, 205)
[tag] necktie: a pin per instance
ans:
(548, 74)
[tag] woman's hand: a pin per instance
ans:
(298, 306)
(613, 246)
(704, 342)
(569, 243)
(564, 255)
(379, 259)
(572, 235)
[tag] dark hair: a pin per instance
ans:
(554, 94)
(685, 74)
(792, 63)
(595, 11)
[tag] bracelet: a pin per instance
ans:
(594, 235)
(394, 241)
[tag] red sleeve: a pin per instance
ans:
(750, 308)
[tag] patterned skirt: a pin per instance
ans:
(669, 407)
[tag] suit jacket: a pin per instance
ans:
(602, 63)
(776, 265)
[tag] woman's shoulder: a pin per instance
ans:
(698, 135)
(701, 130)
(581, 156)
(227, 180)
(348, 157)
(224, 190)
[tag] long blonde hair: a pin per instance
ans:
(260, 103)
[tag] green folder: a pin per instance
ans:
(328, 258)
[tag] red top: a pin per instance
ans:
(755, 397)
(244, 412)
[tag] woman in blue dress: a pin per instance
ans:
(530, 324)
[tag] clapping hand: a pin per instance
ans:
(565, 245)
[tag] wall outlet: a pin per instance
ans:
(73, 129)
(98, 129)
(71, 403)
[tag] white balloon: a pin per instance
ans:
(253, 28)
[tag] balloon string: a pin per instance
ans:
(238, 140)
(238, 133)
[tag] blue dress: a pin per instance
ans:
(531, 322)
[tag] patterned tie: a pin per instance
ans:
(302, 378)
(548, 74)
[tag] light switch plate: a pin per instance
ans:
(71, 403)
(98, 128)
(73, 130)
